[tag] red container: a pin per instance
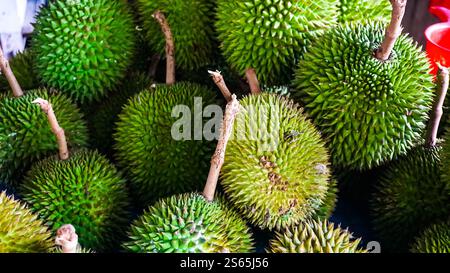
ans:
(438, 45)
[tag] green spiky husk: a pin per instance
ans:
(445, 166)
(329, 202)
(191, 23)
(157, 164)
(410, 194)
(314, 236)
(22, 67)
(21, 230)
(86, 191)
(188, 223)
(25, 135)
(361, 10)
(370, 111)
(435, 239)
(275, 176)
(84, 47)
(269, 35)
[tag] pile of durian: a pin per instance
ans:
(88, 162)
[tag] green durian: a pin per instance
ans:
(25, 135)
(276, 171)
(315, 236)
(435, 239)
(360, 10)
(270, 35)
(20, 229)
(192, 27)
(370, 111)
(86, 191)
(444, 167)
(329, 202)
(22, 66)
(156, 163)
(84, 47)
(188, 223)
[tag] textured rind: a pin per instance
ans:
(25, 135)
(445, 165)
(360, 10)
(86, 191)
(84, 47)
(20, 230)
(22, 66)
(188, 223)
(370, 111)
(435, 239)
(191, 23)
(329, 202)
(270, 35)
(314, 236)
(275, 176)
(157, 164)
(409, 196)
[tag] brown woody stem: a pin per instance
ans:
(253, 81)
(170, 46)
(6, 69)
(56, 129)
(218, 158)
(220, 82)
(67, 238)
(393, 31)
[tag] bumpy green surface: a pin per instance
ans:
(360, 10)
(83, 47)
(445, 166)
(86, 191)
(275, 176)
(314, 236)
(191, 23)
(410, 195)
(157, 164)
(187, 223)
(370, 111)
(25, 135)
(22, 67)
(21, 230)
(435, 239)
(329, 203)
(269, 35)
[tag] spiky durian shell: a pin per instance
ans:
(410, 194)
(21, 230)
(191, 23)
(270, 35)
(445, 165)
(86, 191)
(157, 164)
(314, 236)
(370, 111)
(22, 67)
(360, 10)
(329, 202)
(188, 223)
(276, 169)
(25, 135)
(435, 239)
(84, 47)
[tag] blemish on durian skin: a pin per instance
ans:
(275, 179)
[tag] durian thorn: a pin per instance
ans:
(218, 158)
(436, 114)
(393, 31)
(154, 65)
(220, 82)
(9, 75)
(54, 125)
(170, 46)
(67, 238)
(253, 82)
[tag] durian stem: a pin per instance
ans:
(170, 46)
(6, 69)
(253, 81)
(218, 158)
(393, 31)
(220, 82)
(154, 65)
(56, 129)
(436, 114)
(67, 238)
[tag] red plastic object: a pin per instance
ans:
(438, 35)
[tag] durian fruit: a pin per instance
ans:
(22, 66)
(360, 10)
(270, 35)
(315, 236)
(83, 48)
(192, 25)
(20, 229)
(435, 239)
(329, 202)
(370, 103)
